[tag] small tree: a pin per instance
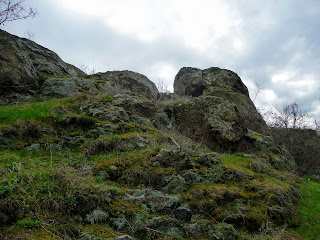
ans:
(258, 88)
(30, 35)
(288, 116)
(12, 10)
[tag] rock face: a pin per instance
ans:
(193, 81)
(68, 87)
(134, 81)
(221, 83)
(214, 121)
(23, 62)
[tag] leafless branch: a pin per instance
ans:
(12, 10)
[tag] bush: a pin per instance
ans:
(28, 223)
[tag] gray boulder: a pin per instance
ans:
(23, 64)
(193, 81)
(221, 83)
(134, 81)
(176, 184)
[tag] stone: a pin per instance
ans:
(173, 158)
(220, 83)
(193, 81)
(135, 105)
(176, 184)
(134, 81)
(24, 63)
(110, 113)
(192, 177)
(155, 201)
(183, 213)
(209, 159)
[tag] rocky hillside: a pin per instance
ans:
(107, 156)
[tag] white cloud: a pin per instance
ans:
(162, 72)
(316, 108)
(197, 25)
(299, 85)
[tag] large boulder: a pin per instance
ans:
(23, 63)
(221, 83)
(134, 81)
(193, 81)
(211, 120)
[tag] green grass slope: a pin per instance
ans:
(68, 173)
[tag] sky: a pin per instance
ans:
(274, 44)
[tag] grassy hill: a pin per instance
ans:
(68, 175)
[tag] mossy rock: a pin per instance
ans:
(213, 121)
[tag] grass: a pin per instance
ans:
(309, 209)
(29, 111)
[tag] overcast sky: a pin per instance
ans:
(275, 43)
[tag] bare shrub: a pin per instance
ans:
(291, 127)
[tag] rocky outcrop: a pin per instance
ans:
(214, 121)
(193, 81)
(23, 64)
(134, 81)
(221, 83)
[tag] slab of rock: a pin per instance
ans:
(134, 81)
(69, 87)
(23, 63)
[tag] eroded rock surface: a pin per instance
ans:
(23, 64)
(134, 81)
(221, 83)
(193, 81)
(211, 120)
